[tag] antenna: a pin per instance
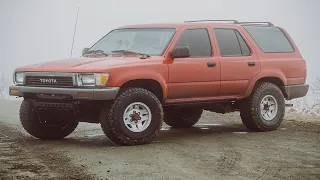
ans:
(74, 32)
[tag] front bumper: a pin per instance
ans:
(75, 93)
(296, 91)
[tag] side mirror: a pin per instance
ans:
(180, 52)
(85, 50)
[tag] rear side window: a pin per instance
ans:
(198, 41)
(243, 45)
(270, 39)
(231, 43)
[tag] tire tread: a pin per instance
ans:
(248, 110)
(30, 124)
(108, 117)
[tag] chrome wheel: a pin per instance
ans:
(268, 107)
(137, 117)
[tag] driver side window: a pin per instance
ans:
(198, 41)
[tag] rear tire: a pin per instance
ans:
(264, 109)
(182, 117)
(40, 128)
(134, 118)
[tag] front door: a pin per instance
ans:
(197, 76)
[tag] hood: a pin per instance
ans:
(84, 64)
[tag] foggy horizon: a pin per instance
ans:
(38, 31)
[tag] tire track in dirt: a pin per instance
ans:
(268, 167)
(223, 163)
(228, 160)
(16, 164)
(270, 171)
(273, 159)
(23, 159)
(277, 165)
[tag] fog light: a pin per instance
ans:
(84, 95)
(14, 91)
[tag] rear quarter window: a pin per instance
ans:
(270, 39)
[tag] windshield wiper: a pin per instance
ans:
(123, 51)
(96, 52)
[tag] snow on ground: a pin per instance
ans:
(313, 110)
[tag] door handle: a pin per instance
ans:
(251, 63)
(211, 64)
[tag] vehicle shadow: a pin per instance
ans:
(95, 138)
(203, 130)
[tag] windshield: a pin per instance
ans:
(144, 41)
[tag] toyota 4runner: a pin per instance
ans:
(136, 77)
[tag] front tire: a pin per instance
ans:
(264, 109)
(46, 126)
(134, 118)
(182, 117)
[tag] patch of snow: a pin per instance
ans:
(240, 132)
(165, 128)
(94, 135)
(215, 124)
(313, 110)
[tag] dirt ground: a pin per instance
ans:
(218, 147)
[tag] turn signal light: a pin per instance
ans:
(84, 95)
(14, 91)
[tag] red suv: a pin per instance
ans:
(136, 77)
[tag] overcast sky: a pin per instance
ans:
(38, 30)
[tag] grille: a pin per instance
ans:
(49, 81)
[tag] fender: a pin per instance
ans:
(159, 74)
(270, 73)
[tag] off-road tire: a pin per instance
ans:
(32, 124)
(250, 109)
(111, 117)
(182, 117)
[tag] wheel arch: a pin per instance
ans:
(149, 84)
(277, 80)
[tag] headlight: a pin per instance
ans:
(86, 79)
(18, 78)
(99, 80)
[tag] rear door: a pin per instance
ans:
(197, 76)
(239, 63)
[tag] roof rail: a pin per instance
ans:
(268, 23)
(234, 21)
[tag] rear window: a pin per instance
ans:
(270, 39)
(231, 43)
